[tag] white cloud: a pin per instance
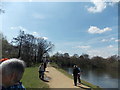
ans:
(108, 40)
(45, 38)
(22, 28)
(34, 33)
(117, 40)
(104, 40)
(112, 39)
(83, 47)
(12, 28)
(100, 5)
(30, 0)
(110, 46)
(103, 52)
(94, 30)
(94, 52)
(9, 41)
(18, 28)
(38, 16)
(60, 51)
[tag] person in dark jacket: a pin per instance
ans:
(76, 72)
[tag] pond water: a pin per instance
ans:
(102, 78)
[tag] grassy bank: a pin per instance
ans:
(70, 76)
(31, 80)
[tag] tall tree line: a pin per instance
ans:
(84, 61)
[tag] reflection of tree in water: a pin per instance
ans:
(102, 72)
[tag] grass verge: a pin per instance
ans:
(30, 78)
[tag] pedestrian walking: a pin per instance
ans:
(41, 71)
(76, 75)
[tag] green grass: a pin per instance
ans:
(30, 79)
(70, 76)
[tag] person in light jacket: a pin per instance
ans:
(41, 71)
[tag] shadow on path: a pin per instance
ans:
(84, 86)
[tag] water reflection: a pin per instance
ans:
(102, 78)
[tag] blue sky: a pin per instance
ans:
(73, 27)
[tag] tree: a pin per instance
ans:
(2, 11)
(18, 41)
(66, 55)
(76, 55)
(98, 62)
(81, 57)
(8, 51)
(43, 48)
(58, 54)
(30, 48)
(86, 56)
(113, 58)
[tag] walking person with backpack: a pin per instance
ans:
(76, 75)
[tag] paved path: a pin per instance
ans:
(58, 79)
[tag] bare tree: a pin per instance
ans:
(43, 48)
(18, 41)
(32, 49)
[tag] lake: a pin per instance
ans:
(102, 78)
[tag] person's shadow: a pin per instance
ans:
(46, 79)
(84, 86)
